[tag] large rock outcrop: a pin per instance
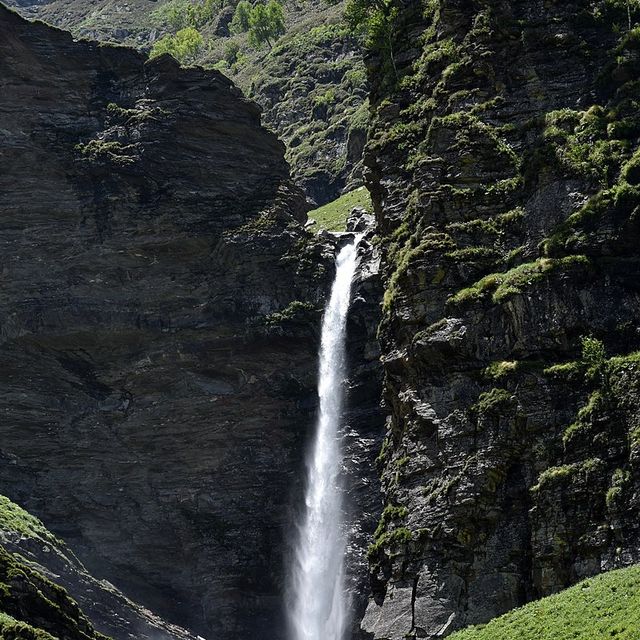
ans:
(311, 86)
(158, 325)
(504, 167)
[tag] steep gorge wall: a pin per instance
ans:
(504, 166)
(157, 382)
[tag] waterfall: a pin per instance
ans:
(319, 609)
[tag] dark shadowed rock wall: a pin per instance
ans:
(158, 324)
(505, 171)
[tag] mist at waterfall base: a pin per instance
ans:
(319, 607)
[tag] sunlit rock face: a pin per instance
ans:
(504, 167)
(157, 386)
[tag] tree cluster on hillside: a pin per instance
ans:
(263, 22)
(180, 14)
(184, 46)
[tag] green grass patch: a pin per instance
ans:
(518, 279)
(584, 423)
(607, 606)
(569, 371)
(13, 629)
(565, 473)
(501, 369)
(333, 216)
(15, 518)
(495, 401)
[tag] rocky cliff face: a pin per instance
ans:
(311, 86)
(157, 322)
(504, 167)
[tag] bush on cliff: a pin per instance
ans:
(266, 24)
(184, 46)
(240, 20)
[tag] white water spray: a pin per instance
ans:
(320, 607)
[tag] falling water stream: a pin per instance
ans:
(319, 609)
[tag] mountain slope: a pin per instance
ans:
(311, 86)
(40, 576)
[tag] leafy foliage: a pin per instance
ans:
(266, 24)
(184, 46)
(593, 355)
(180, 14)
(375, 19)
(231, 52)
(240, 21)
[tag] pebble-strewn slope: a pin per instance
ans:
(504, 167)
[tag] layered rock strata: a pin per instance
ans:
(158, 318)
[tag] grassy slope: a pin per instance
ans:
(15, 518)
(12, 629)
(32, 607)
(333, 216)
(607, 606)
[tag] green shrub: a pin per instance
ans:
(593, 356)
(568, 371)
(184, 46)
(180, 14)
(497, 370)
(495, 401)
(266, 24)
(584, 422)
(240, 20)
(619, 480)
(231, 51)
